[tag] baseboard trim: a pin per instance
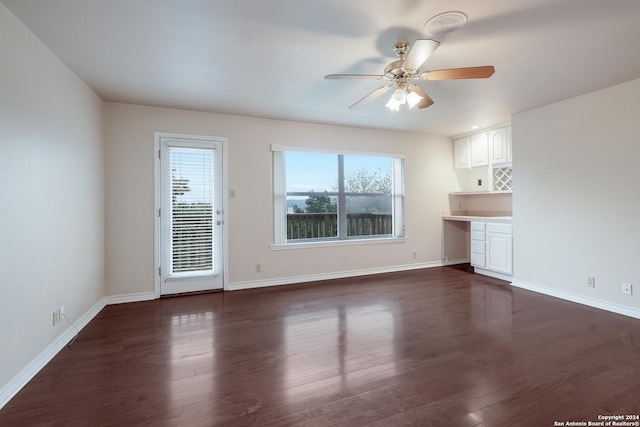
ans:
(591, 302)
(125, 298)
(25, 375)
(494, 274)
(455, 261)
(252, 284)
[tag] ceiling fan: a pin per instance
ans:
(401, 72)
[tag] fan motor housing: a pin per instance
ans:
(395, 71)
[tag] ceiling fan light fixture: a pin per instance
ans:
(393, 106)
(398, 98)
(400, 73)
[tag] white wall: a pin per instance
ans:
(51, 197)
(129, 195)
(468, 179)
(576, 203)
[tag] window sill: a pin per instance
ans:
(334, 243)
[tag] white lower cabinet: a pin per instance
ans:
(478, 246)
(492, 247)
(500, 248)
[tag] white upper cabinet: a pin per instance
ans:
(471, 151)
(479, 150)
(500, 145)
(486, 148)
(461, 153)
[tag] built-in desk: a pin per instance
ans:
(485, 241)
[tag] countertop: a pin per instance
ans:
(470, 218)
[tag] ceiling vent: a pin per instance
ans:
(445, 23)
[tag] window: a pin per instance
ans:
(336, 196)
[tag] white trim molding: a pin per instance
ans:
(446, 261)
(591, 302)
(336, 243)
(121, 299)
(494, 274)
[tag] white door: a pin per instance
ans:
(190, 214)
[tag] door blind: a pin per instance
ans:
(192, 180)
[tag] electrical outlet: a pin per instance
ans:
(258, 268)
(627, 289)
(479, 182)
(591, 282)
(57, 316)
(414, 254)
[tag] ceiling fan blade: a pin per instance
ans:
(460, 73)
(353, 76)
(370, 98)
(420, 51)
(426, 100)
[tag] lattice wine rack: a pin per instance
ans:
(502, 180)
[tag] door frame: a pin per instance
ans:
(157, 191)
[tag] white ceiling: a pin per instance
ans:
(268, 58)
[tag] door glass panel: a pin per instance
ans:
(192, 194)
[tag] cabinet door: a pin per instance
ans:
(498, 145)
(509, 150)
(479, 150)
(461, 153)
(500, 252)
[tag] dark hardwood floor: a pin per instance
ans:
(428, 347)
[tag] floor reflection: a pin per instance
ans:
(335, 348)
(192, 337)
(492, 309)
(192, 352)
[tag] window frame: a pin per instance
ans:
(280, 200)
